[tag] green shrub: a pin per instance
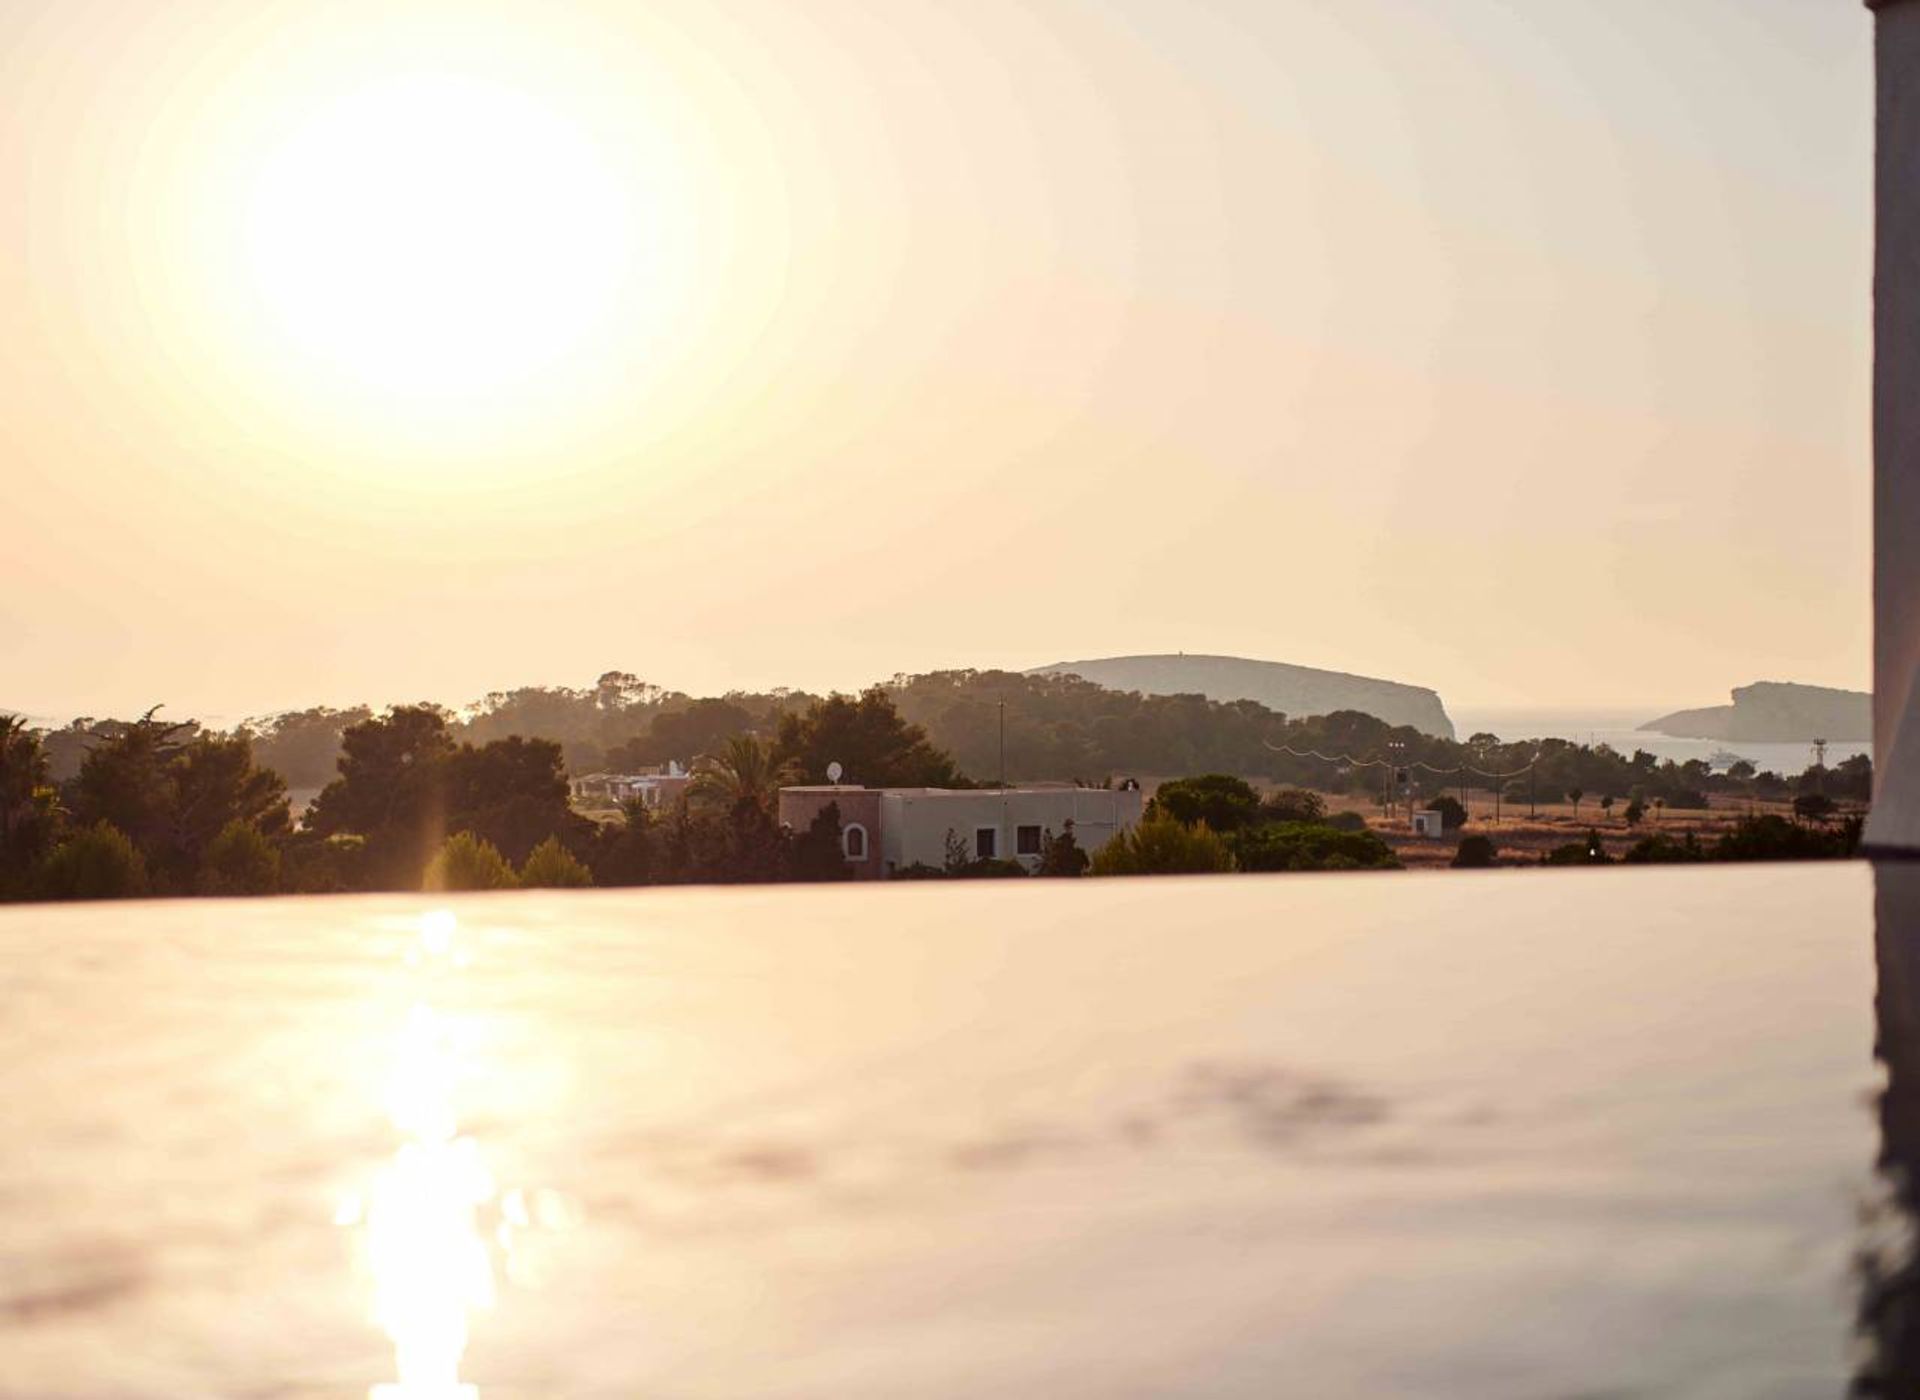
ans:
(1061, 856)
(97, 862)
(1661, 849)
(987, 870)
(1591, 851)
(1813, 806)
(816, 853)
(312, 864)
(1772, 837)
(919, 870)
(465, 862)
(1223, 802)
(551, 866)
(1293, 804)
(1346, 821)
(1163, 845)
(1474, 853)
(239, 861)
(1310, 846)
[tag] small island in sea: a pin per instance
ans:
(1769, 712)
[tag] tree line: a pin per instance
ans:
(154, 807)
(1056, 728)
(481, 798)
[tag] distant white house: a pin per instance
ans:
(884, 830)
(652, 789)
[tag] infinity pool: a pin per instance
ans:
(1518, 1134)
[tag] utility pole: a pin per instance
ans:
(1003, 746)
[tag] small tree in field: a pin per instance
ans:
(1813, 807)
(1574, 795)
(1636, 809)
(1474, 853)
(1606, 805)
(551, 866)
(465, 862)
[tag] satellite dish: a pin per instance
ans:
(834, 770)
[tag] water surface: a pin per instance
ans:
(1522, 1134)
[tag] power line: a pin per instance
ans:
(1355, 762)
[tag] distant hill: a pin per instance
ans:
(1776, 712)
(1295, 691)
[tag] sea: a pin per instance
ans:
(1620, 728)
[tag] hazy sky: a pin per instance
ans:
(410, 351)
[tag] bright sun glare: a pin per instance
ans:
(439, 237)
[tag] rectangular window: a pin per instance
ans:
(985, 843)
(1026, 840)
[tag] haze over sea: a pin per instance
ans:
(1620, 729)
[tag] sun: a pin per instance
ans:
(440, 238)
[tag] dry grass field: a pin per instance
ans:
(1523, 838)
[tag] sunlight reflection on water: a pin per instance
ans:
(423, 1239)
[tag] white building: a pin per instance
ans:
(884, 830)
(653, 789)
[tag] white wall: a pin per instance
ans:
(916, 821)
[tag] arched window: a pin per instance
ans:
(854, 842)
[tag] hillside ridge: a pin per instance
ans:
(1295, 691)
(1769, 712)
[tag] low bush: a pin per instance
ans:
(1163, 845)
(1293, 804)
(551, 866)
(1591, 851)
(96, 862)
(239, 861)
(465, 862)
(1310, 846)
(1474, 853)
